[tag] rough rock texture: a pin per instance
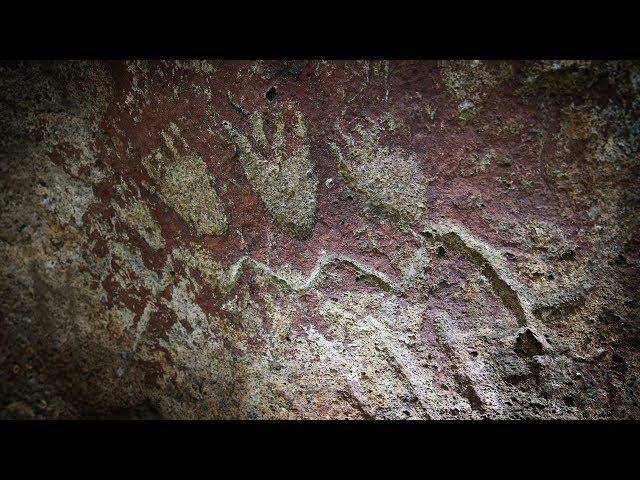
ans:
(322, 239)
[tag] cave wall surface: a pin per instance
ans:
(319, 239)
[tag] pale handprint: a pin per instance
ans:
(186, 185)
(388, 180)
(280, 169)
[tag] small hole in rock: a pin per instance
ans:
(271, 94)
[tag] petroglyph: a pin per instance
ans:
(372, 334)
(491, 264)
(186, 185)
(489, 261)
(280, 168)
(226, 278)
(136, 214)
(386, 179)
(180, 239)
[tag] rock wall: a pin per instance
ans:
(319, 239)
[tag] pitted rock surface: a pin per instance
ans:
(319, 239)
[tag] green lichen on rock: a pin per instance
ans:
(389, 180)
(186, 185)
(476, 163)
(467, 79)
(553, 79)
(280, 170)
(609, 138)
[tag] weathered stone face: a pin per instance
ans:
(360, 239)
